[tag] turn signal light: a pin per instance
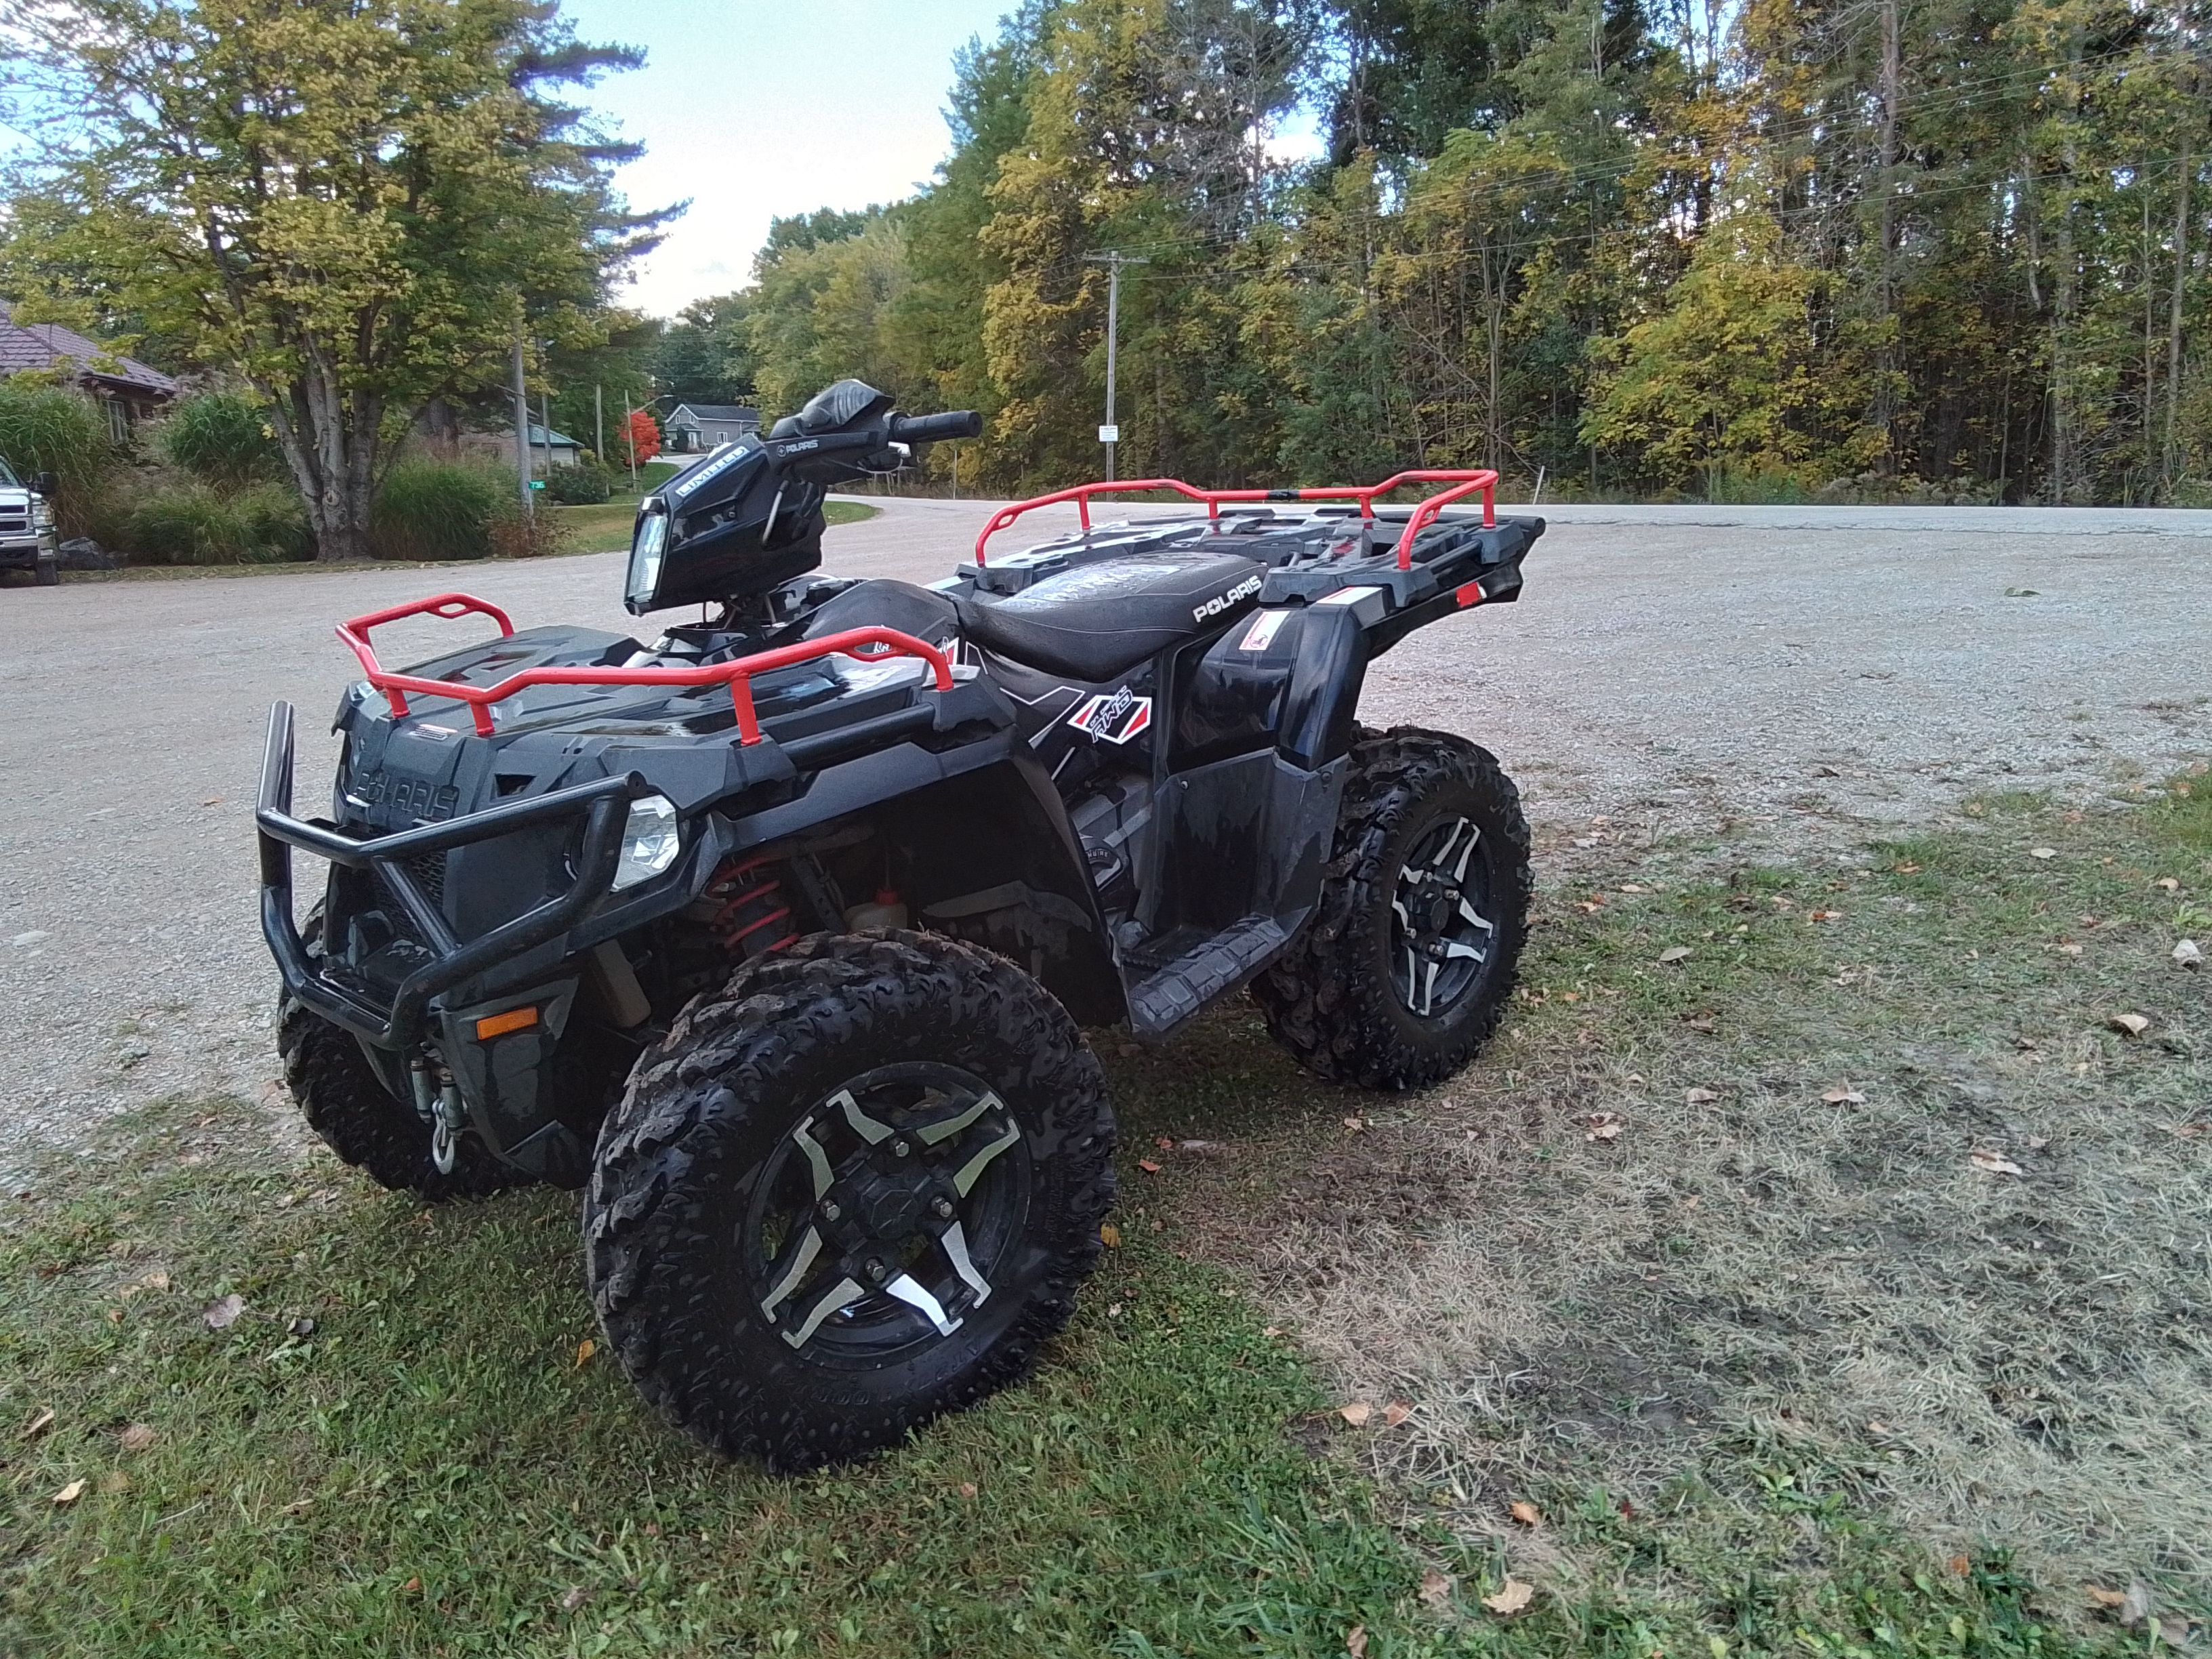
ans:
(514, 1019)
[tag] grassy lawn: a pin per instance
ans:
(1778, 1374)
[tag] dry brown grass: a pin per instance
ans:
(1738, 1286)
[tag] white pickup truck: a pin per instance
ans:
(27, 539)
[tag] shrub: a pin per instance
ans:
(580, 486)
(45, 428)
(440, 510)
(222, 439)
(536, 536)
(191, 523)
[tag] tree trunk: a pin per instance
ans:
(2169, 458)
(1885, 396)
(332, 444)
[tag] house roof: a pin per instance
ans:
(538, 437)
(732, 412)
(49, 345)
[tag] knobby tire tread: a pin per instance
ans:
(1328, 998)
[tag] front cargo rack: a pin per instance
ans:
(867, 644)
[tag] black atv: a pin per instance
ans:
(778, 937)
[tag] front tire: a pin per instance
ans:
(359, 1119)
(854, 1189)
(49, 572)
(1404, 970)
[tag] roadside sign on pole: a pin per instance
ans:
(1110, 435)
(537, 484)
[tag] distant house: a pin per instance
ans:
(695, 428)
(127, 389)
(498, 444)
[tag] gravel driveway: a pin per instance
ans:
(1800, 675)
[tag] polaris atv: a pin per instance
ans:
(778, 937)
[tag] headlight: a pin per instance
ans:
(650, 841)
(646, 547)
(42, 515)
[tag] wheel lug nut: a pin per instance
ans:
(877, 1271)
(943, 1206)
(830, 1210)
(899, 1149)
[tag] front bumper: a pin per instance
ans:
(28, 555)
(603, 803)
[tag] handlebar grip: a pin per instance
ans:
(930, 429)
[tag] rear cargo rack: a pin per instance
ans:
(867, 644)
(1466, 481)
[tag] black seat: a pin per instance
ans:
(1095, 623)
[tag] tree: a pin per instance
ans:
(643, 437)
(354, 205)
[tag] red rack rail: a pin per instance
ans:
(865, 643)
(1466, 481)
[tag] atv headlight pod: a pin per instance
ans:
(646, 548)
(651, 841)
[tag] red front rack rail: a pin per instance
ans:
(1464, 481)
(865, 643)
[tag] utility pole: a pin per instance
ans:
(522, 429)
(599, 422)
(1110, 435)
(546, 425)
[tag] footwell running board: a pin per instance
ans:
(1183, 986)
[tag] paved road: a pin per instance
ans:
(1804, 679)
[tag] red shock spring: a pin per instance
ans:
(752, 903)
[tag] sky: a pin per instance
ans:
(757, 109)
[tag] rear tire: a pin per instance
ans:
(357, 1117)
(1404, 970)
(773, 1272)
(49, 572)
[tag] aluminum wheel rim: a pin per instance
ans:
(1442, 937)
(858, 1254)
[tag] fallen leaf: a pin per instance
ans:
(1436, 1588)
(2043, 852)
(2172, 1629)
(1526, 1513)
(2069, 948)
(1878, 1427)
(212, 800)
(1396, 1413)
(1511, 1597)
(1605, 1126)
(1355, 1641)
(2037, 1143)
(967, 1488)
(302, 1325)
(69, 1493)
(2129, 1024)
(1109, 1235)
(157, 1280)
(411, 1585)
(1701, 1022)
(1165, 1143)
(1355, 1413)
(2105, 1598)
(1825, 915)
(138, 1437)
(115, 1480)
(1354, 1123)
(39, 1423)
(1908, 869)
(575, 1598)
(585, 1350)
(2186, 953)
(1990, 1163)
(2169, 883)
(223, 1315)
(2135, 1607)
(1959, 1563)
(1698, 1097)
(1112, 1310)
(1845, 1096)
(1672, 953)
(1148, 1166)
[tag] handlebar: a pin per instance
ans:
(931, 428)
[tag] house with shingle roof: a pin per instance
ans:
(129, 390)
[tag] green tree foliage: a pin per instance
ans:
(1947, 248)
(354, 207)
